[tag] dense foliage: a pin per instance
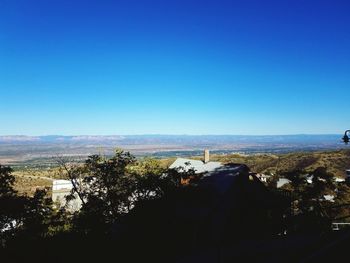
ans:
(318, 198)
(107, 187)
(22, 215)
(138, 205)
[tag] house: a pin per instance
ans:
(199, 166)
(339, 180)
(61, 189)
(282, 181)
(227, 202)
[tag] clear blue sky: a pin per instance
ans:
(174, 67)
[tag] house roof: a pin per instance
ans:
(222, 178)
(282, 181)
(61, 184)
(197, 165)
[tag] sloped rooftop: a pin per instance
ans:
(198, 165)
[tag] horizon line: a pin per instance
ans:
(166, 134)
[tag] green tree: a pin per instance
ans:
(110, 187)
(10, 207)
(22, 215)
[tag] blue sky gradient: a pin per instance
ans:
(174, 67)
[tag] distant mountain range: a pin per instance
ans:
(188, 140)
(26, 150)
(56, 139)
(173, 139)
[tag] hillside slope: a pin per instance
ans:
(335, 161)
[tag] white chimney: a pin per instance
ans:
(206, 156)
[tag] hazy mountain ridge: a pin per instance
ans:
(24, 149)
(171, 139)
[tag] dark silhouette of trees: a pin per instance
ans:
(110, 187)
(139, 210)
(22, 215)
(8, 203)
(318, 199)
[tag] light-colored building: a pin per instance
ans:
(61, 189)
(199, 166)
(282, 181)
(62, 185)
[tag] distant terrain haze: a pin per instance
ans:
(25, 149)
(170, 138)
